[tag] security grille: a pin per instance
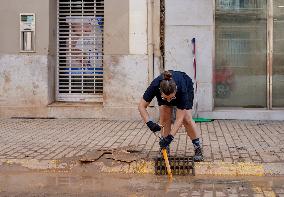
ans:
(179, 166)
(80, 50)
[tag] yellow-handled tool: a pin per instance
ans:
(165, 155)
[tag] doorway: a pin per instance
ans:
(249, 59)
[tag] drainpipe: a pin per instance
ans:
(150, 8)
(150, 5)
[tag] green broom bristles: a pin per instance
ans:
(202, 119)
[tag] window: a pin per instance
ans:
(80, 50)
(240, 63)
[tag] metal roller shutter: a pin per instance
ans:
(80, 25)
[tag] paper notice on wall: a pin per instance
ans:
(85, 42)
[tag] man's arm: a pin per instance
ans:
(180, 114)
(142, 109)
(165, 141)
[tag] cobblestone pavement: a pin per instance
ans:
(223, 140)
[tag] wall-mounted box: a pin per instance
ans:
(27, 32)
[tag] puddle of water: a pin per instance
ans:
(100, 184)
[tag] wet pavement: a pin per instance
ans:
(223, 140)
(32, 184)
(230, 147)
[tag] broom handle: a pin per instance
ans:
(165, 155)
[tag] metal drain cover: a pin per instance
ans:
(179, 166)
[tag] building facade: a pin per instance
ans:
(95, 58)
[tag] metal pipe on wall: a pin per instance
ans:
(150, 4)
(269, 53)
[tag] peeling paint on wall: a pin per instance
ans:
(125, 80)
(23, 80)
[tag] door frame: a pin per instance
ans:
(269, 54)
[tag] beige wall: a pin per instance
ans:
(126, 58)
(52, 27)
(52, 47)
(27, 79)
(116, 29)
(10, 21)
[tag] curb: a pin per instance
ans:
(148, 167)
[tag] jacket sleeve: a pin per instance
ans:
(151, 91)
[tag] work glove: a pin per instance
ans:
(165, 141)
(153, 126)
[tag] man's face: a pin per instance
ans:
(168, 98)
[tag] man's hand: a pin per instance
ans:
(165, 141)
(153, 126)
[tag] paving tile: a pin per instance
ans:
(222, 140)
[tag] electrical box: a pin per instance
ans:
(27, 32)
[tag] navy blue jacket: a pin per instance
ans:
(184, 94)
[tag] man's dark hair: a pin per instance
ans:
(168, 85)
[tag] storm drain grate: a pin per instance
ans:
(179, 166)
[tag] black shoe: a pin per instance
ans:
(198, 156)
